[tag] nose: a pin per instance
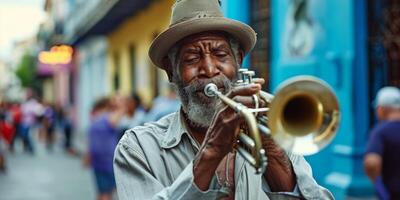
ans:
(209, 68)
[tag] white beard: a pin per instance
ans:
(199, 108)
(199, 113)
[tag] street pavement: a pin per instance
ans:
(46, 176)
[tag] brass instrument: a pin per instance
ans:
(302, 117)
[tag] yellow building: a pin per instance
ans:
(130, 68)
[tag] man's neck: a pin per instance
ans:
(197, 132)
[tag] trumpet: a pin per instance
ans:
(302, 117)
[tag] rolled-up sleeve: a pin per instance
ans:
(135, 180)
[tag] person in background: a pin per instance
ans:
(31, 109)
(2, 135)
(48, 125)
(382, 160)
(163, 105)
(103, 138)
(16, 115)
(6, 123)
(65, 125)
(135, 114)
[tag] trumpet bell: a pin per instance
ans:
(303, 115)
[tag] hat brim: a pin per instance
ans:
(167, 39)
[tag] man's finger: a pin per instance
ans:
(260, 81)
(245, 90)
(249, 101)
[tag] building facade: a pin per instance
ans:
(130, 67)
(91, 79)
(351, 51)
(55, 75)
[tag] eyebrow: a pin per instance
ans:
(217, 47)
(192, 50)
(220, 47)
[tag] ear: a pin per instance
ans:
(168, 68)
(381, 112)
(240, 57)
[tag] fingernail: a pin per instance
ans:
(256, 86)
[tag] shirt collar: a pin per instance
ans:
(175, 131)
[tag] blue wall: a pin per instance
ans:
(238, 10)
(327, 39)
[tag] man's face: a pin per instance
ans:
(203, 58)
(130, 104)
(387, 113)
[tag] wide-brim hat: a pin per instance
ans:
(195, 16)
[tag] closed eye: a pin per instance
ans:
(221, 54)
(191, 59)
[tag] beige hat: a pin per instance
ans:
(195, 16)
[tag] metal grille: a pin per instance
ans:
(260, 56)
(384, 40)
(383, 47)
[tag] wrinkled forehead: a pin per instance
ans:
(218, 36)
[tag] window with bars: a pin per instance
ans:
(260, 56)
(384, 41)
(383, 46)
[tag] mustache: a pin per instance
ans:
(220, 81)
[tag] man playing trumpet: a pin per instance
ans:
(190, 154)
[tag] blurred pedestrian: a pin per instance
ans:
(31, 110)
(382, 160)
(103, 138)
(16, 115)
(64, 122)
(6, 127)
(47, 122)
(134, 115)
(2, 135)
(163, 105)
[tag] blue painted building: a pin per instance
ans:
(328, 39)
(344, 43)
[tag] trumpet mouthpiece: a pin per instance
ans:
(210, 90)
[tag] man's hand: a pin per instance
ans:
(373, 165)
(221, 135)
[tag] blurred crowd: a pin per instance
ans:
(110, 118)
(19, 121)
(24, 124)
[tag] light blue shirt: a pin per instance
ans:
(155, 161)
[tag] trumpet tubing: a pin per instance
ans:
(302, 117)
